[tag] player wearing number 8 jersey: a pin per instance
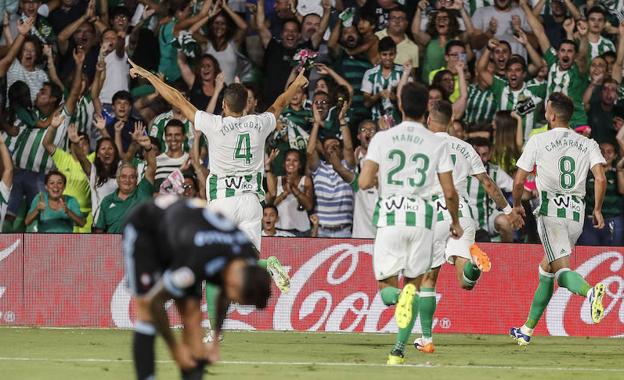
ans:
(405, 161)
(562, 160)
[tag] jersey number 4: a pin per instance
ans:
(243, 148)
(421, 163)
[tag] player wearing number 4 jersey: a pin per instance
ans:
(469, 261)
(236, 150)
(405, 160)
(562, 159)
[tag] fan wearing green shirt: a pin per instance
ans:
(53, 211)
(116, 206)
(568, 66)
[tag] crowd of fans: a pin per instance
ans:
(82, 142)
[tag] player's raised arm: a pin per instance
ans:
(171, 95)
(7, 164)
(284, 99)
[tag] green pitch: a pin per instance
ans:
(105, 354)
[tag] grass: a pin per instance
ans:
(31, 353)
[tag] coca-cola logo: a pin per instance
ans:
(568, 314)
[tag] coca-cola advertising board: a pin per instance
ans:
(78, 280)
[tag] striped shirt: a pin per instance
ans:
(29, 153)
(510, 100)
(599, 48)
(334, 196)
(83, 117)
(157, 130)
(571, 82)
(4, 201)
(481, 105)
(353, 70)
(473, 5)
(165, 165)
(374, 82)
(562, 159)
(483, 207)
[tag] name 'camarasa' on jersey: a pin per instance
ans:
(409, 158)
(236, 151)
(562, 159)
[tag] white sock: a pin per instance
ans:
(525, 330)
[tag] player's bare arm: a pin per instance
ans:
(452, 202)
(495, 193)
(600, 187)
(171, 95)
(518, 190)
(368, 176)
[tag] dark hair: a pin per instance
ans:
(398, 8)
(299, 157)
(451, 44)
(609, 53)
(503, 42)
(294, 21)
(256, 286)
(437, 87)
(437, 79)
(368, 16)
(122, 95)
(215, 64)
(505, 151)
(610, 80)
(116, 11)
(57, 173)
(596, 9)
(414, 99)
(386, 44)
(191, 175)
(479, 141)
(453, 25)
(102, 172)
(177, 5)
(156, 141)
(174, 123)
(516, 59)
(18, 96)
(562, 105)
(570, 42)
(38, 49)
(230, 27)
(442, 111)
(235, 96)
(85, 137)
(55, 91)
(271, 206)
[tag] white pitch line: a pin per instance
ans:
(327, 364)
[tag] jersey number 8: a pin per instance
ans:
(567, 179)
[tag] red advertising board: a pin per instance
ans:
(77, 280)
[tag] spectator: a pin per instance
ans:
(16, 46)
(596, 21)
(500, 21)
(612, 206)
(25, 67)
(364, 200)
(601, 110)
(554, 22)
(334, 196)
(406, 49)
(81, 35)
(512, 93)
(454, 52)
(116, 205)
(270, 218)
(314, 25)
(488, 218)
(53, 211)
(507, 141)
(379, 84)
(441, 28)
(292, 194)
(226, 32)
(380, 9)
(117, 68)
(77, 182)
(174, 157)
(567, 66)
(369, 43)
(350, 67)
(121, 118)
(6, 179)
(159, 123)
(68, 12)
(202, 80)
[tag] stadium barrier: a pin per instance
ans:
(77, 280)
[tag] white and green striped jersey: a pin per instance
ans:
(482, 206)
(466, 163)
(83, 117)
(562, 159)
(29, 153)
(409, 158)
(4, 201)
(509, 100)
(599, 48)
(374, 82)
(481, 105)
(157, 130)
(236, 151)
